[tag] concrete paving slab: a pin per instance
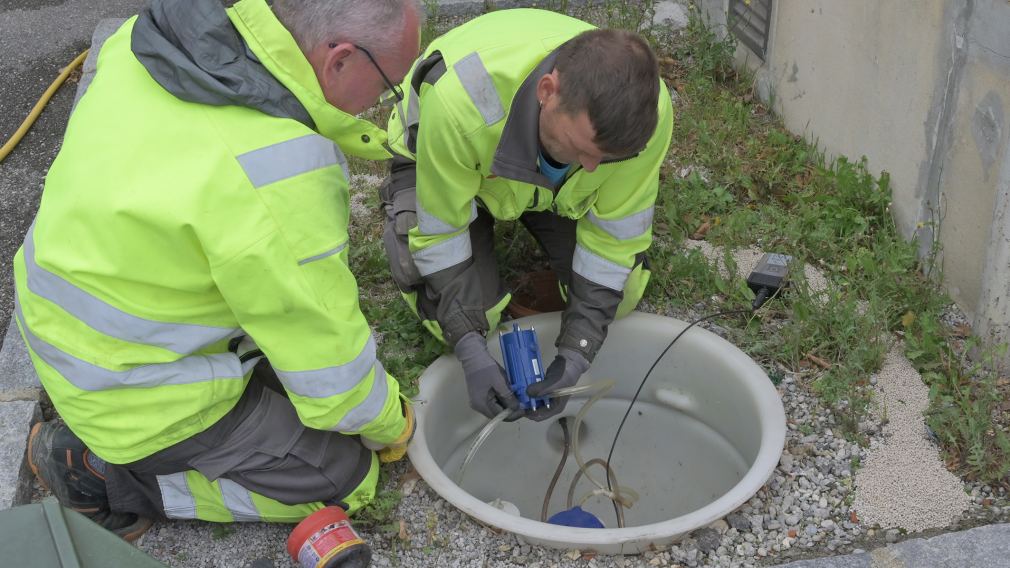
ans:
(987, 546)
(16, 420)
(18, 380)
(672, 13)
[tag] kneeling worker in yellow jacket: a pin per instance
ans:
(535, 116)
(184, 291)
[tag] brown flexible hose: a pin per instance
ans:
(557, 473)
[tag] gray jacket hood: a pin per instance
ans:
(193, 51)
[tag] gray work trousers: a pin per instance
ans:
(259, 444)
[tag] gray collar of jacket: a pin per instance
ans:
(518, 148)
(193, 51)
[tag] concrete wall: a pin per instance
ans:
(922, 89)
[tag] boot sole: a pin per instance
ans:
(141, 527)
(31, 462)
(142, 523)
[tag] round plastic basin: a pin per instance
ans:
(704, 435)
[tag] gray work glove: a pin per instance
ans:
(564, 372)
(486, 382)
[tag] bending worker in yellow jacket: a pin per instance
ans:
(535, 116)
(184, 291)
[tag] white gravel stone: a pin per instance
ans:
(903, 483)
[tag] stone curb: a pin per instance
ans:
(19, 411)
(987, 546)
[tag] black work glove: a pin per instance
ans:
(564, 372)
(486, 383)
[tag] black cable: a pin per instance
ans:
(610, 455)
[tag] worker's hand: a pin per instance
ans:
(564, 372)
(395, 450)
(486, 383)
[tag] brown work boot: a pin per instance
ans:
(59, 460)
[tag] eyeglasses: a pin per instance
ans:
(394, 92)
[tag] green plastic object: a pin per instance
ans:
(46, 535)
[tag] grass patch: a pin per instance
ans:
(379, 514)
(736, 172)
(735, 168)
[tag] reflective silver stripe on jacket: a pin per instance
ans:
(238, 501)
(321, 256)
(445, 254)
(429, 224)
(599, 270)
(478, 84)
(176, 498)
(330, 381)
(291, 158)
(90, 377)
(627, 227)
(370, 408)
(179, 338)
(413, 108)
(180, 503)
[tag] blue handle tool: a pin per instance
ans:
(521, 353)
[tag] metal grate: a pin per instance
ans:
(750, 20)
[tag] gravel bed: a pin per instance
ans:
(805, 510)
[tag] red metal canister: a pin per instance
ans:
(325, 539)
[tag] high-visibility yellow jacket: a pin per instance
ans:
(200, 196)
(471, 121)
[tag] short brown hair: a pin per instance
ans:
(613, 76)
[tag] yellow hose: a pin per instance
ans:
(37, 109)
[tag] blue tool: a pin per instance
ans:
(521, 353)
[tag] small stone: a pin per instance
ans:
(409, 486)
(786, 462)
(738, 521)
(573, 554)
(787, 503)
(721, 526)
(892, 535)
(811, 530)
(828, 524)
(762, 552)
(792, 533)
(707, 539)
(792, 520)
